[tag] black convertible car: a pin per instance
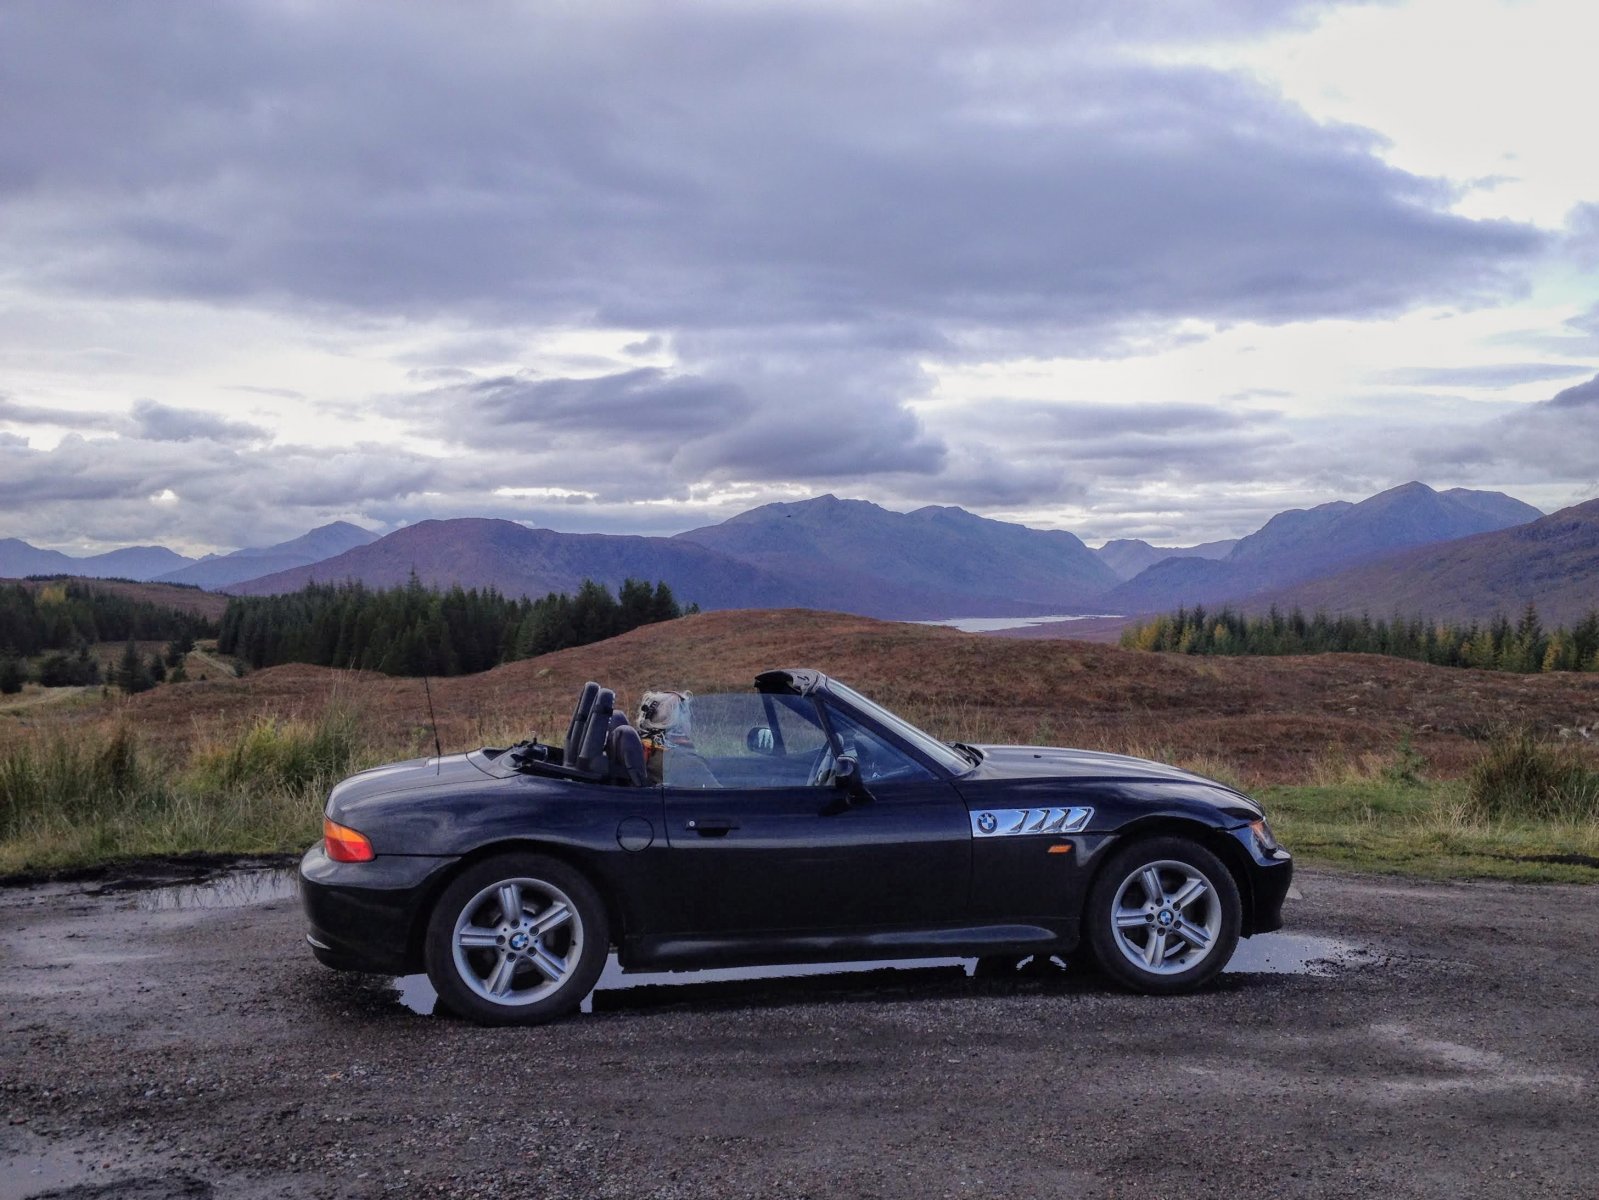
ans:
(798, 822)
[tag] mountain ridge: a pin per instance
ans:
(139, 563)
(1552, 562)
(1305, 543)
(217, 571)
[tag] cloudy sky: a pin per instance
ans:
(1128, 267)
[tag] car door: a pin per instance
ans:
(769, 848)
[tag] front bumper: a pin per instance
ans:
(366, 916)
(1271, 873)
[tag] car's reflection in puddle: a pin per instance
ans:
(235, 889)
(1266, 954)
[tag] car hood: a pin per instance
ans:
(411, 775)
(1053, 762)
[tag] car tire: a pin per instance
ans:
(518, 939)
(1166, 943)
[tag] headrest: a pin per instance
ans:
(579, 722)
(592, 748)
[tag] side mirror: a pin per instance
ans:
(847, 776)
(759, 740)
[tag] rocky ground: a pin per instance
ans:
(178, 1043)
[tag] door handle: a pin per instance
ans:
(712, 827)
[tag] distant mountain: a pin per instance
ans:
(1128, 556)
(931, 563)
(1303, 544)
(219, 570)
(478, 552)
(1306, 542)
(18, 558)
(846, 555)
(1552, 562)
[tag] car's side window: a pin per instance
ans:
(733, 741)
(880, 761)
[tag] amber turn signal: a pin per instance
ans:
(344, 844)
(1060, 848)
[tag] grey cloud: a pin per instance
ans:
(61, 418)
(1080, 453)
(709, 167)
(274, 392)
(1080, 420)
(803, 202)
(163, 423)
(96, 489)
(1582, 395)
(1587, 322)
(1493, 376)
(652, 429)
(647, 403)
(1550, 441)
(1581, 242)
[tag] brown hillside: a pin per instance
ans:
(184, 599)
(1265, 718)
(1552, 562)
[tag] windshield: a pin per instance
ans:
(934, 749)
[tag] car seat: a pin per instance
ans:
(626, 753)
(591, 750)
(579, 723)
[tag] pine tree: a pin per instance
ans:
(130, 673)
(13, 674)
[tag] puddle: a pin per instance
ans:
(615, 989)
(1296, 954)
(238, 889)
(31, 1165)
(1267, 954)
(995, 624)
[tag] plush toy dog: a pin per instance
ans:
(666, 726)
(664, 715)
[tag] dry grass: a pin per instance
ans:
(1317, 733)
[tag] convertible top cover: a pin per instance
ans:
(791, 682)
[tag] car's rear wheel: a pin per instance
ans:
(517, 939)
(1163, 916)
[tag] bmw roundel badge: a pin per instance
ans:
(987, 823)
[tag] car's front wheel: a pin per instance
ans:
(516, 939)
(1163, 916)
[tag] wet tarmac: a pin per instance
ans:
(166, 1034)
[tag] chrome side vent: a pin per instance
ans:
(1014, 822)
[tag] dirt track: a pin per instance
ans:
(153, 1052)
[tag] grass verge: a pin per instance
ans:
(71, 799)
(1431, 830)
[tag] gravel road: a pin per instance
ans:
(158, 1046)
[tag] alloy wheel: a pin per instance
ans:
(1166, 917)
(517, 941)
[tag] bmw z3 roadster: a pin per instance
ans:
(798, 822)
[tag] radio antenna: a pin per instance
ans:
(438, 750)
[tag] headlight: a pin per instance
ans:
(1263, 836)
